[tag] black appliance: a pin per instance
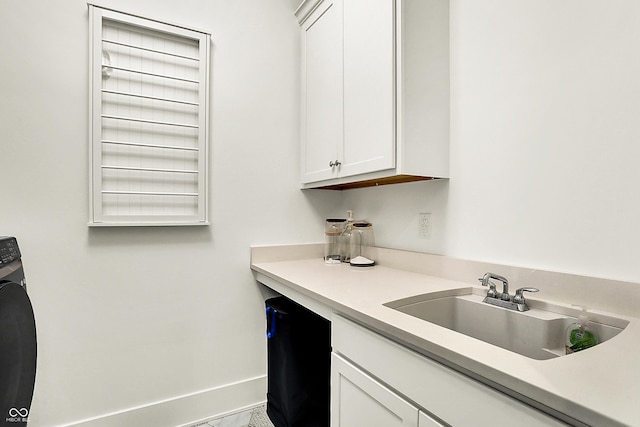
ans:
(298, 366)
(18, 347)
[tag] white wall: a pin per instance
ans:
(135, 316)
(545, 101)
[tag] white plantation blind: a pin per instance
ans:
(149, 134)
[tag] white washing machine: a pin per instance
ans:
(18, 345)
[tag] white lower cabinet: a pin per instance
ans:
(357, 400)
(376, 382)
(426, 421)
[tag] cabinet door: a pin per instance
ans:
(369, 86)
(322, 113)
(426, 421)
(359, 400)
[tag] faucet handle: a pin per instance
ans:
(492, 292)
(519, 297)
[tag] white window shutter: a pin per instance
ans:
(149, 126)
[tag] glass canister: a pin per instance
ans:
(363, 250)
(333, 228)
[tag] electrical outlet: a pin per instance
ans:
(424, 225)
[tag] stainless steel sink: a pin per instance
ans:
(538, 333)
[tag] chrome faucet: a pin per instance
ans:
(492, 293)
(503, 299)
(518, 298)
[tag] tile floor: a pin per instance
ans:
(256, 417)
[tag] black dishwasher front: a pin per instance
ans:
(298, 366)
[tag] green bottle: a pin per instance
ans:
(579, 336)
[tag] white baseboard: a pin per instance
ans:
(188, 409)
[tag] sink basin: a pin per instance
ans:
(538, 333)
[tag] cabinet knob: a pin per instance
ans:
(333, 164)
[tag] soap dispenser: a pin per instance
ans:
(579, 335)
(345, 239)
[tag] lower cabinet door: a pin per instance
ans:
(427, 421)
(359, 400)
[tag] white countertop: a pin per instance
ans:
(599, 386)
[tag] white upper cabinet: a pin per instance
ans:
(375, 91)
(322, 87)
(368, 95)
